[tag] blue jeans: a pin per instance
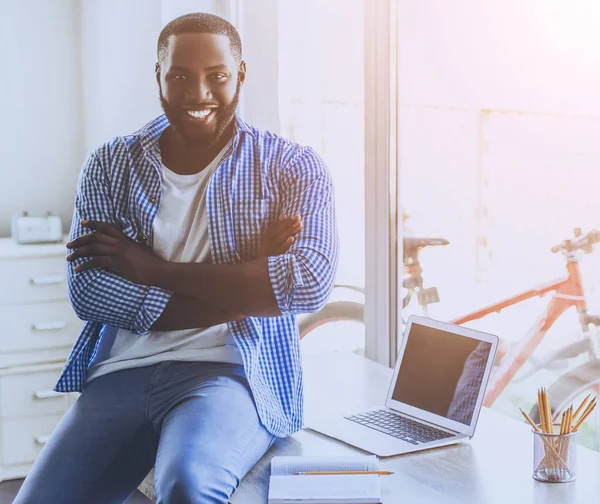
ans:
(196, 422)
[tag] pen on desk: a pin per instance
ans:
(313, 473)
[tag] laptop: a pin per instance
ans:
(435, 395)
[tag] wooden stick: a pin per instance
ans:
(547, 444)
(585, 415)
(563, 429)
(549, 408)
(581, 406)
(592, 404)
(548, 415)
(545, 429)
(552, 457)
(314, 473)
(542, 411)
(529, 420)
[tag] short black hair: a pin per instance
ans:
(200, 22)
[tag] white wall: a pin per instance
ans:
(175, 8)
(118, 54)
(260, 39)
(40, 134)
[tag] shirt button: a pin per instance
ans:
(153, 200)
(143, 237)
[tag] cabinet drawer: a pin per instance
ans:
(30, 394)
(34, 279)
(21, 440)
(37, 326)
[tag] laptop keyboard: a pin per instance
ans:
(399, 427)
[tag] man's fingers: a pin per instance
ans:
(284, 247)
(94, 249)
(96, 262)
(103, 227)
(275, 227)
(289, 231)
(94, 237)
(274, 240)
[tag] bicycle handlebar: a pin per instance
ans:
(584, 243)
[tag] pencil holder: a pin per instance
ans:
(554, 456)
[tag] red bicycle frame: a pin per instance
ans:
(567, 292)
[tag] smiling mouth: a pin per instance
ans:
(201, 115)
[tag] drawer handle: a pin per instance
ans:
(49, 326)
(42, 439)
(46, 394)
(47, 280)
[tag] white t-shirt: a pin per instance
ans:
(180, 234)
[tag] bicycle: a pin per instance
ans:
(335, 311)
(566, 292)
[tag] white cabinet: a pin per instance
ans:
(37, 329)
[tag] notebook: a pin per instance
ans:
(285, 486)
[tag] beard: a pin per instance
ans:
(223, 118)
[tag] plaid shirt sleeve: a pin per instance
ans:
(99, 295)
(302, 278)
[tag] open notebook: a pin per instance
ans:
(287, 487)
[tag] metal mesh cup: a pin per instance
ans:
(554, 456)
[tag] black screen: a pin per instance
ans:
(442, 372)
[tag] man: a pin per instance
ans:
(189, 356)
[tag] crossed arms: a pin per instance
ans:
(119, 282)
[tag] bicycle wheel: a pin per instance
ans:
(331, 312)
(568, 386)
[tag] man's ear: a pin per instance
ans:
(242, 72)
(157, 73)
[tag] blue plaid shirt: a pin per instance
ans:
(264, 176)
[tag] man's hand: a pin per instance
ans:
(280, 235)
(109, 248)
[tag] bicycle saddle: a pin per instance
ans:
(414, 243)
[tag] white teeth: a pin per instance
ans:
(200, 114)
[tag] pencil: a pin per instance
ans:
(587, 413)
(541, 411)
(589, 407)
(545, 424)
(547, 412)
(314, 473)
(546, 442)
(528, 418)
(581, 406)
(570, 420)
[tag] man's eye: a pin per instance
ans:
(219, 77)
(179, 77)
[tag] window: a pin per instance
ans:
(321, 104)
(498, 154)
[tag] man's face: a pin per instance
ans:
(199, 83)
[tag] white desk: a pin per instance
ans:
(495, 467)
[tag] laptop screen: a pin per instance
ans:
(442, 372)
